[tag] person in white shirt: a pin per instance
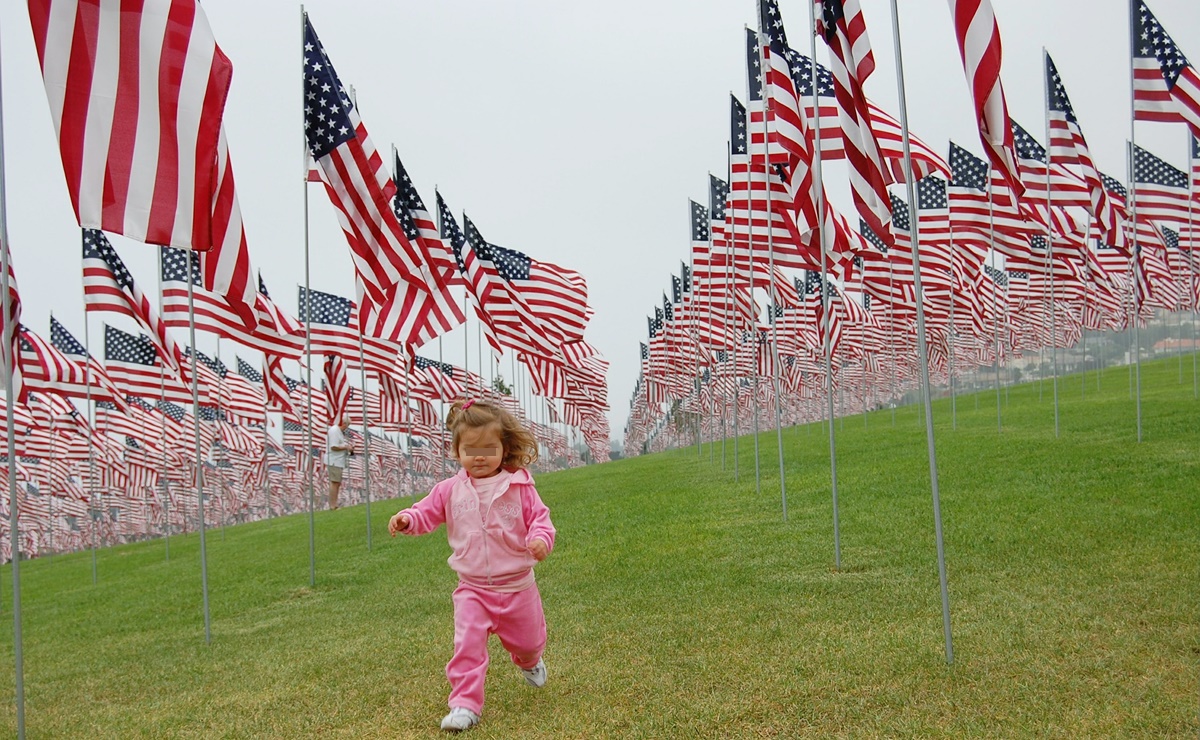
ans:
(336, 457)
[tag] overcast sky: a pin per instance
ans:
(575, 132)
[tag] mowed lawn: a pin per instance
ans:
(680, 602)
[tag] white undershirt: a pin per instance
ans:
(487, 487)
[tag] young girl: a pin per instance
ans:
(498, 528)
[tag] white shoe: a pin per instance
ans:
(536, 676)
(459, 719)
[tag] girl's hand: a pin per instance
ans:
(401, 522)
(538, 550)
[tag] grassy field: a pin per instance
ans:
(682, 605)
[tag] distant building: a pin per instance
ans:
(1175, 346)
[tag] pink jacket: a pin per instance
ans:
(489, 554)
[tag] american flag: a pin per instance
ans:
(419, 225)
(404, 300)
(1166, 87)
(226, 267)
(10, 323)
(789, 144)
(516, 322)
(1068, 146)
(749, 224)
(66, 343)
(45, 368)
(113, 79)
(979, 46)
(215, 314)
(245, 392)
(788, 132)
(841, 24)
(935, 253)
(1189, 235)
(886, 128)
(1160, 190)
(1155, 284)
(335, 331)
(131, 423)
(210, 374)
(132, 362)
(1065, 188)
(108, 286)
(275, 385)
(475, 279)
(970, 207)
(439, 376)
(337, 387)
(548, 378)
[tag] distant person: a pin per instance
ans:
(499, 529)
(336, 457)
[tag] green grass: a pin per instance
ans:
(681, 604)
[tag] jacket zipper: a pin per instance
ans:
(487, 550)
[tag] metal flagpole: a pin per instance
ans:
(1191, 242)
(442, 409)
(362, 372)
(712, 377)
(1135, 273)
(730, 279)
(87, 344)
(1137, 350)
(162, 437)
(995, 300)
(10, 356)
(310, 464)
(924, 358)
(407, 417)
(826, 299)
(1087, 276)
(199, 457)
(750, 245)
(774, 349)
(953, 331)
(1050, 251)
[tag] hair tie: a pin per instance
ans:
(467, 405)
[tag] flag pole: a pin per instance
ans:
(953, 330)
(310, 462)
(826, 299)
(91, 421)
(1087, 278)
(924, 358)
(1191, 242)
(750, 241)
(442, 408)
(199, 458)
(162, 394)
(1050, 249)
(10, 355)
(730, 278)
(1137, 350)
(1136, 275)
(691, 290)
(995, 299)
(362, 371)
(774, 348)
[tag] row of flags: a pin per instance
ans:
(144, 154)
(1020, 250)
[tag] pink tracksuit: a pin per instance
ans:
(496, 591)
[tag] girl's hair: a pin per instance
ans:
(520, 446)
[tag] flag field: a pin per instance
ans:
(680, 604)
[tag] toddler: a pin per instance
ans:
(498, 528)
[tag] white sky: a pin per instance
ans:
(575, 132)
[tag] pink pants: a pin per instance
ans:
(516, 618)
